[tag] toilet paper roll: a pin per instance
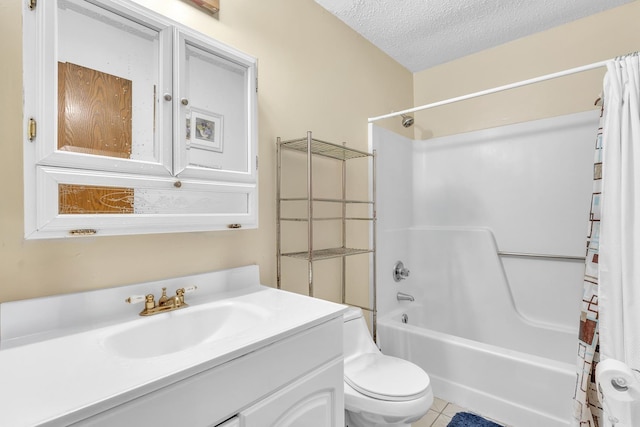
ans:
(617, 382)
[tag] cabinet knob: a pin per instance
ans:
(167, 97)
(184, 101)
(177, 184)
(234, 226)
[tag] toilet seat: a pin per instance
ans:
(385, 377)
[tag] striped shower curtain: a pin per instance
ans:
(587, 410)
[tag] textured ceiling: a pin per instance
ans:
(422, 33)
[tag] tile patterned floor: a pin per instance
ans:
(441, 413)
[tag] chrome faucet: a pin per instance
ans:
(404, 297)
(400, 272)
(164, 303)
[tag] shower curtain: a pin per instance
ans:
(611, 302)
(620, 243)
(619, 292)
(587, 411)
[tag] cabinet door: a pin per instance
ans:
(216, 111)
(316, 400)
(106, 78)
(128, 203)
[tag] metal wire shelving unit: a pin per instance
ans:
(311, 147)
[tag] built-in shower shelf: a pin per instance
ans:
(323, 148)
(321, 254)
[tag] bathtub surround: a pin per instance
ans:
(465, 198)
(529, 184)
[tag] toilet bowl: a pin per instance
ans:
(379, 390)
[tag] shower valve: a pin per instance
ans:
(400, 272)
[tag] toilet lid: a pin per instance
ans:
(385, 377)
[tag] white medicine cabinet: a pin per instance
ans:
(134, 123)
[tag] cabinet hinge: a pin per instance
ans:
(32, 4)
(256, 85)
(31, 129)
(256, 162)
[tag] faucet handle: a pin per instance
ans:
(400, 272)
(180, 292)
(135, 299)
(149, 301)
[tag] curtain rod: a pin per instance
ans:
(494, 90)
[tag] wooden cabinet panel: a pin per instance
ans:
(94, 111)
(85, 199)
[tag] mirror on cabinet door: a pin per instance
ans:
(214, 109)
(111, 78)
(143, 125)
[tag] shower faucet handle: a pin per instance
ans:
(400, 272)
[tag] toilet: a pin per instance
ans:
(379, 390)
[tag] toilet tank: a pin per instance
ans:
(356, 338)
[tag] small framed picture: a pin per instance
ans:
(204, 130)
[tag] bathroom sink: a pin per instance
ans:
(179, 330)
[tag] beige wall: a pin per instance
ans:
(592, 39)
(315, 74)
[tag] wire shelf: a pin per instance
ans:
(322, 148)
(327, 253)
(315, 199)
(328, 218)
(311, 147)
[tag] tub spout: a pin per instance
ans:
(404, 297)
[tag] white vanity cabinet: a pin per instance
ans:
(241, 353)
(297, 381)
(134, 123)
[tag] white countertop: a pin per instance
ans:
(47, 380)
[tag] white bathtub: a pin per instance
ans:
(505, 383)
